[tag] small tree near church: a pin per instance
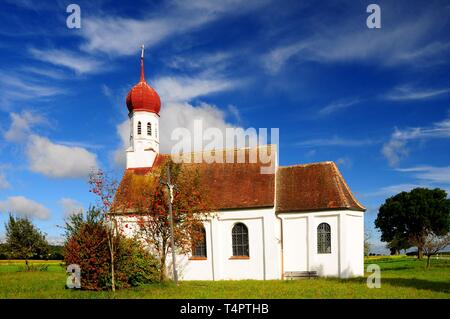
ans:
(147, 197)
(24, 240)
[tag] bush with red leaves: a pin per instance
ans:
(87, 246)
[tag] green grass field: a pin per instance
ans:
(401, 277)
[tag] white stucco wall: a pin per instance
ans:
(295, 231)
(138, 154)
(325, 264)
(300, 243)
(265, 261)
(264, 247)
(352, 263)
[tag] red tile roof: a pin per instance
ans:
(316, 186)
(310, 187)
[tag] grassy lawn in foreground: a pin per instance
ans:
(401, 277)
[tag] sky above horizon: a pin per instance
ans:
(375, 101)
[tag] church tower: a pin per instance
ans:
(143, 105)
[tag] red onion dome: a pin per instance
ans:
(142, 97)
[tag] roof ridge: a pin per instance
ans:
(225, 149)
(338, 177)
(347, 188)
(307, 164)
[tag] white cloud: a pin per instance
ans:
(181, 89)
(70, 206)
(23, 206)
(405, 43)
(338, 105)
(275, 59)
(55, 240)
(393, 190)
(123, 130)
(409, 93)
(335, 141)
(429, 174)
(21, 125)
(396, 148)
(45, 72)
(4, 184)
(175, 115)
(75, 61)
(59, 161)
(14, 87)
(106, 90)
(398, 188)
(234, 111)
(178, 112)
(123, 36)
(203, 61)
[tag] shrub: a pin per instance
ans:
(136, 264)
(87, 246)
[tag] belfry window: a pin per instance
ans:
(139, 129)
(240, 240)
(156, 130)
(149, 128)
(324, 239)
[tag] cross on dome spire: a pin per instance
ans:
(142, 97)
(142, 64)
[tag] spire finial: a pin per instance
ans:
(142, 63)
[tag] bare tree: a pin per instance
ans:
(433, 244)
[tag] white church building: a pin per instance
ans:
(299, 218)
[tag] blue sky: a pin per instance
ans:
(375, 101)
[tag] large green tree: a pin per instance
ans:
(24, 240)
(398, 244)
(413, 215)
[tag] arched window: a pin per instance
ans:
(324, 239)
(199, 244)
(139, 128)
(149, 128)
(156, 130)
(240, 240)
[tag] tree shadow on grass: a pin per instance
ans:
(397, 268)
(437, 286)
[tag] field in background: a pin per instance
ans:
(401, 277)
(19, 265)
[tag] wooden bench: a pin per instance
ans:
(294, 275)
